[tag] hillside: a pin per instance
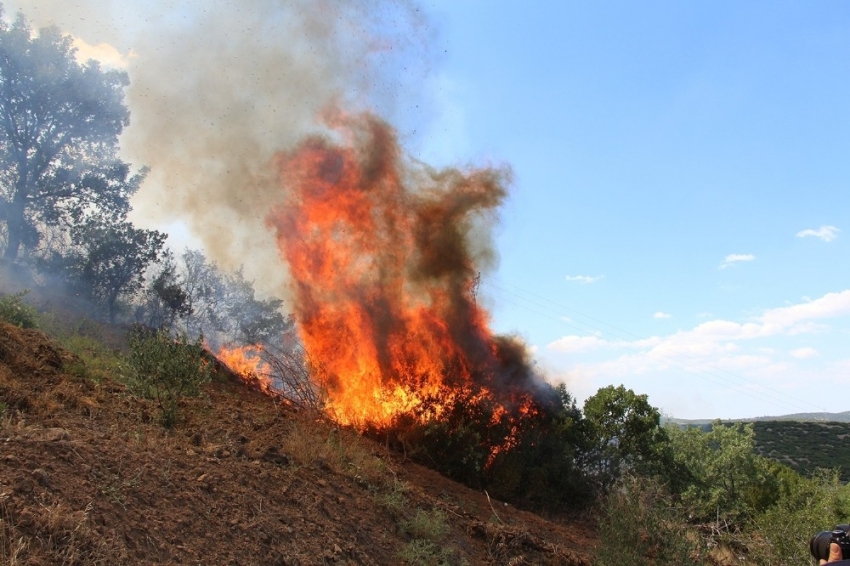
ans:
(88, 477)
(842, 417)
(806, 445)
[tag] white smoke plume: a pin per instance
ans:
(218, 86)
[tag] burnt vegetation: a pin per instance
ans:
(132, 325)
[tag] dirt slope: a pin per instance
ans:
(88, 477)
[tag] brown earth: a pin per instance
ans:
(87, 476)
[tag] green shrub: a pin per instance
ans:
(166, 369)
(393, 498)
(421, 552)
(809, 505)
(14, 311)
(430, 525)
(641, 524)
(724, 478)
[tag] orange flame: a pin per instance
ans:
(383, 261)
(247, 364)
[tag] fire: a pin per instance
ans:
(384, 257)
(247, 364)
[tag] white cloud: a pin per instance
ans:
(573, 344)
(586, 279)
(825, 233)
(736, 258)
(803, 353)
(724, 354)
(828, 306)
(104, 53)
(660, 314)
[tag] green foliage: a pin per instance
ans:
(59, 135)
(528, 456)
(420, 552)
(165, 299)
(625, 434)
(112, 260)
(641, 524)
(457, 442)
(543, 469)
(807, 505)
(96, 361)
(166, 369)
(725, 478)
(15, 311)
(429, 530)
(719, 496)
(805, 446)
(430, 525)
(394, 498)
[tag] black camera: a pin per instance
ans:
(819, 545)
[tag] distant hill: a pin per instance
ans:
(806, 445)
(803, 441)
(843, 417)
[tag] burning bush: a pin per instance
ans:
(529, 456)
(384, 256)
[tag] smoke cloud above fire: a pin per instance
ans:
(217, 87)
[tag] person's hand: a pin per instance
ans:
(834, 554)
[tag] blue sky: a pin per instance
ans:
(650, 142)
(678, 220)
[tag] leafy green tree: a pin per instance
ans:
(726, 479)
(206, 292)
(165, 300)
(625, 434)
(59, 127)
(112, 259)
(252, 320)
(15, 311)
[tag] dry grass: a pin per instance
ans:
(68, 537)
(10, 549)
(311, 441)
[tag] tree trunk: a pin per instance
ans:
(16, 210)
(15, 226)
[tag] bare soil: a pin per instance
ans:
(88, 476)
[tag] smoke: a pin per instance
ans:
(217, 87)
(260, 120)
